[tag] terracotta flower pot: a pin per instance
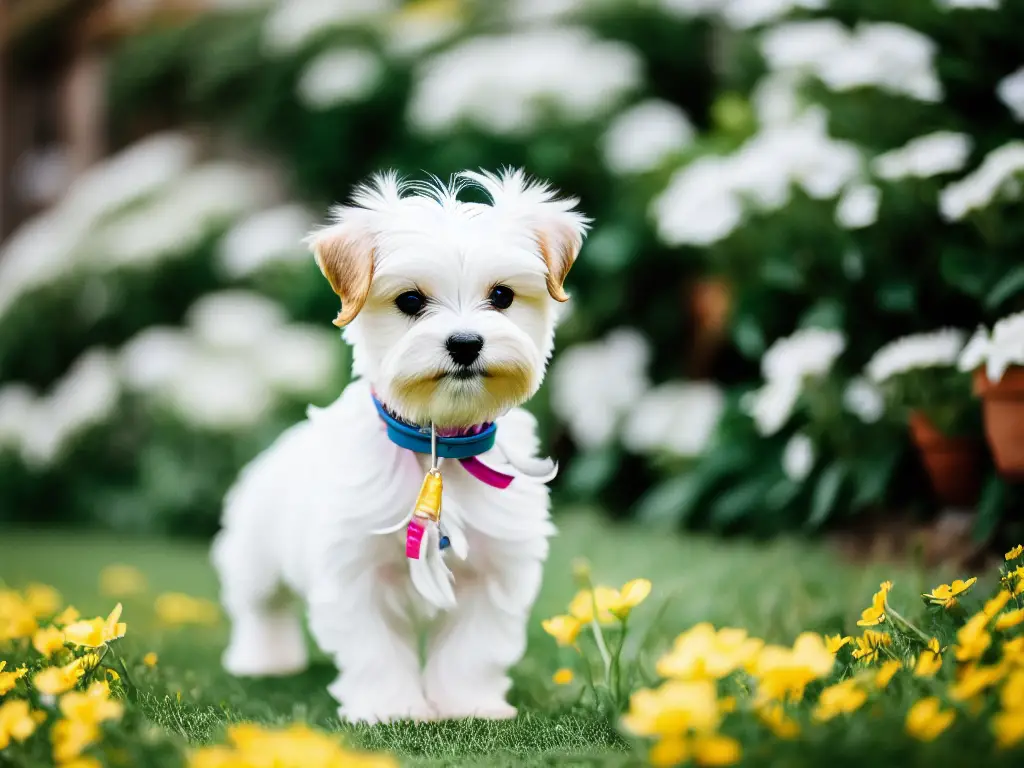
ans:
(1003, 409)
(953, 463)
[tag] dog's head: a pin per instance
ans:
(450, 306)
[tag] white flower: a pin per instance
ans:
(17, 407)
(1000, 350)
(298, 359)
(678, 417)
(642, 137)
(544, 11)
(858, 206)
(219, 392)
(996, 176)
(926, 156)
(153, 357)
(1011, 92)
(806, 352)
(988, 5)
(938, 349)
(776, 100)
(507, 84)
(293, 23)
(864, 400)
(771, 406)
(416, 27)
(743, 14)
(340, 76)
(892, 57)
(798, 457)
(234, 319)
(593, 385)
(699, 206)
(273, 235)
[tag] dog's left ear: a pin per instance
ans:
(559, 238)
(344, 252)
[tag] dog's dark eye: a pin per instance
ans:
(501, 297)
(411, 303)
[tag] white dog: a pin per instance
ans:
(450, 308)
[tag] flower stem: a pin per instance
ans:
(896, 615)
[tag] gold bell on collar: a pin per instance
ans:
(428, 503)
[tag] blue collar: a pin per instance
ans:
(418, 438)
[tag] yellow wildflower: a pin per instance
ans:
(673, 708)
(869, 645)
(112, 675)
(17, 619)
(1012, 696)
(563, 676)
(71, 738)
(672, 750)
(9, 679)
(926, 720)
(1014, 553)
(946, 594)
(42, 600)
(703, 652)
(875, 613)
(1009, 619)
(565, 629)
(928, 663)
(177, 608)
(973, 638)
(291, 747)
(1008, 727)
(150, 659)
(839, 699)
(83, 762)
(122, 581)
(715, 749)
(48, 641)
(835, 642)
(996, 604)
(886, 673)
(783, 673)
(16, 722)
(56, 680)
(1013, 651)
(774, 716)
(629, 597)
(94, 705)
(68, 616)
(92, 633)
(582, 605)
(972, 680)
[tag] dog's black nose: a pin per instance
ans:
(464, 348)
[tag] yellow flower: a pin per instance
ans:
(565, 629)
(1009, 619)
(926, 721)
(946, 594)
(94, 705)
(563, 676)
(16, 722)
(177, 608)
(150, 659)
(1013, 651)
(42, 600)
(973, 680)
(1008, 728)
(9, 679)
(715, 749)
(56, 680)
(875, 613)
(112, 675)
(774, 716)
(703, 652)
(783, 673)
(1014, 553)
(996, 604)
(48, 641)
(122, 581)
(17, 619)
(629, 597)
(82, 762)
(839, 699)
(68, 616)
(673, 708)
(669, 751)
(582, 605)
(835, 642)
(886, 673)
(868, 645)
(71, 738)
(928, 663)
(973, 638)
(92, 633)
(295, 746)
(1012, 696)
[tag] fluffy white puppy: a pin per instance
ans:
(450, 308)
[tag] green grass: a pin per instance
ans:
(775, 590)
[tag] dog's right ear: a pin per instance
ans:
(344, 253)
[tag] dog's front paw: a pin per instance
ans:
(488, 710)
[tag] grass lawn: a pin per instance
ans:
(773, 589)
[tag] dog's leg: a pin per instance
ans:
(362, 622)
(470, 655)
(266, 633)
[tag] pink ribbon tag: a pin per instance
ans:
(414, 537)
(485, 474)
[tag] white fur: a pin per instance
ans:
(322, 511)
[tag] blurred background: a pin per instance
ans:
(810, 179)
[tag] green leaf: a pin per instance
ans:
(897, 296)
(827, 313)
(673, 501)
(872, 475)
(826, 494)
(591, 471)
(990, 508)
(748, 336)
(962, 269)
(738, 502)
(1008, 286)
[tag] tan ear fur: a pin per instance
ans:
(559, 247)
(346, 260)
